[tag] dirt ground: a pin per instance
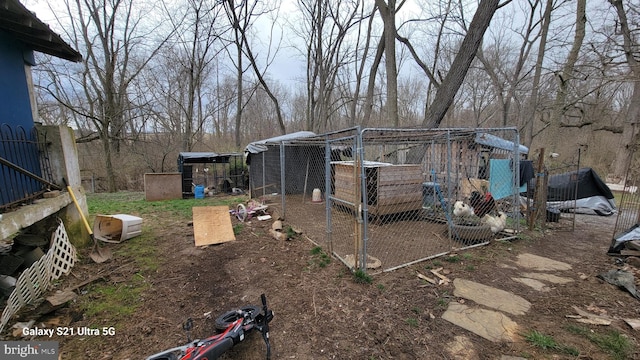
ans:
(321, 312)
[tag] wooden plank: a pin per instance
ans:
(630, 252)
(400, 199)
(386, 192)
(212, 225)
(394, 208)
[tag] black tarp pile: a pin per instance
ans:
(591, 194)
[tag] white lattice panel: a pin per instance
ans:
(37, 279)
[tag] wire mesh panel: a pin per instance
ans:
(385, 198)
(433, 191)
(626, 233)
(562, 186)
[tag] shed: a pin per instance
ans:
(221, 172)
(303, 164)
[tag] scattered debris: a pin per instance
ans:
(630, 252)
(245, 212)
(443, 279)
(634, 323)
(278, 235)
(586, 317)
(426, 278)
(18, 327)
(56, 301)
(372, 262)
(622, 279)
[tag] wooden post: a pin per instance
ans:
(358, 210)
(306, 177)
(539, 193)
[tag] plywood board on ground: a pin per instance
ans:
(212, 225)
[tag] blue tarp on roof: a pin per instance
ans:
(499, 143)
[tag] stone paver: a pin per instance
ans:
(554, 279)
(491, 325)
(495, 325)
(461, 348)
(533, 283)
(491, 297)
(535, 262)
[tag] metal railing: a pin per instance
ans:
(24, 170)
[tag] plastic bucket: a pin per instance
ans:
(316, 196)
(199, 192)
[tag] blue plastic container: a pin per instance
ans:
(199, 192)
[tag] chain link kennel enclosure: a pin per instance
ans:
(380, 199)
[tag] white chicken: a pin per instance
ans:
(461, 209)
(497, 223)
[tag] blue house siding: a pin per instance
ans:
(15, 106)
(22, 161)
(18, 140)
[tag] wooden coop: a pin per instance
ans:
(390, 188)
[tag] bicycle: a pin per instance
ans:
(232, 328)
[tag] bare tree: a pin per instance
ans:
(115, 45)
(456, 74)
(630, 45)
(566, 75)
(506, 74)
(388, 13)
(241, 17)
(325, 28)
(190, 65)
(529, 122)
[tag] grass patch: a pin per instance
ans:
(290, 232)
(613, 342)
(453, 259)
(541, 340)
(361, 277)
(412, 322)
(134, 203)
(547, 342)
(142, 249)
(114, 301)
(319, 258)
(237, 228)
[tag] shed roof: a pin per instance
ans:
(204, 157)
(257, 147)
(499, 143)
(23, 25)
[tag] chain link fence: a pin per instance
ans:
(380, 199)
(626, 234)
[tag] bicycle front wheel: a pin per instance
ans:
(223, 321)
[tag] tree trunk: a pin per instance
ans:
(533, 100)
(454, 78)
(565, 76)
(388, 13)
(631, 131)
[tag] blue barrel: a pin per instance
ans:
(199, 192)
